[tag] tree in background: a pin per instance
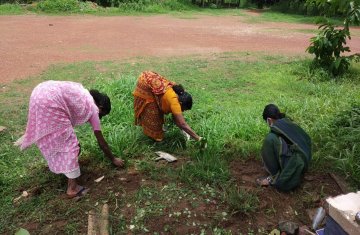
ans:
(329, 45)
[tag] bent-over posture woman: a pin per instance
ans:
(155, 96)
(55, 108)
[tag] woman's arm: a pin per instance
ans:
(106, 149)
(181, 123)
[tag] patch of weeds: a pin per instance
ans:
(241, 201)
(117, 224)
(344, 144)
(151, 202)
(221, 231)
(11, 9)
(270, 211)
(149, 168)
(71, 228)
(207, 167)
(58, 6)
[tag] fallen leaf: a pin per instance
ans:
(99, 179)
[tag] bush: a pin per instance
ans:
(328, 46)
(297, 7)
(59, 6)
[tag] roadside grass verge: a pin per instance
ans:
(11, 9)
(229, 90)
(180, 9)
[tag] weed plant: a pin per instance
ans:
(10, 9)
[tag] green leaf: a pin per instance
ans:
(22, 231)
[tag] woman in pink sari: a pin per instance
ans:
(55, 108)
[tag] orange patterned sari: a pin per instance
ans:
(148, 114)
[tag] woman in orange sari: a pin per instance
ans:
(155, 96)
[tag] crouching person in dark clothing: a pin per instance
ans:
(286, 151)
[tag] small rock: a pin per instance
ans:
(51, 25)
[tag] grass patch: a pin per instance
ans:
(229, 90)
(241, 201)
(177, 8)
(11, 9)
(275, 16)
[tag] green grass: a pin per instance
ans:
(275, 16)
(229, 90)
(175, 8)
(11, 9)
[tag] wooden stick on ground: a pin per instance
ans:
(104, 223)
(342, 185)
(91, 223)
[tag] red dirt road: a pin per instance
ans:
(30, 43)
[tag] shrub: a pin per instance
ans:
(297, 7)
(59, 6)
(329, 45)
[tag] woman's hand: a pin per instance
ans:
(106, 149)
(181, 123)
(118, 162)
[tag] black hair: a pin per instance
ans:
(184, 97)
(272, 111)
(101, 100)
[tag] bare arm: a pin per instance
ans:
(181, 123)
(106, 149)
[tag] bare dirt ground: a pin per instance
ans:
(187, 213)
(30, 43)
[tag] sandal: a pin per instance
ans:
(264, 181)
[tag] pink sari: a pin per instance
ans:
(55, 108)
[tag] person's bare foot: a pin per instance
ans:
(74, 189)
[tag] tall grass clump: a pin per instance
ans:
(342, 143)
(153, 5)
(58, 6)
(10, 9)
(241, 201)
